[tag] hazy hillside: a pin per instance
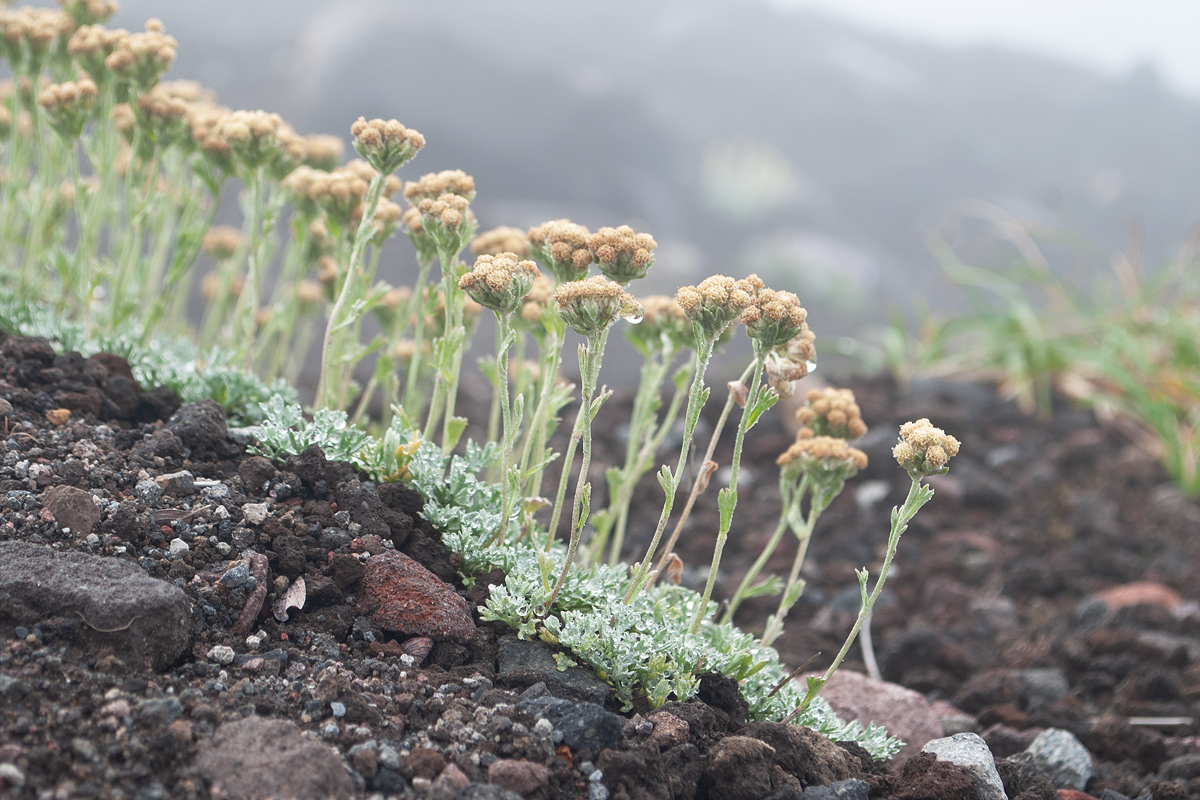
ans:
(740, 135)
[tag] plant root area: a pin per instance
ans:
(179, 619)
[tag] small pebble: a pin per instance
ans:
(11, 775)
(254, 513)
(148, 491)
(178, 548)
(338, 709)
(221, 654)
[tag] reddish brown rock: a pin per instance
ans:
(409, 599)
(522, 777)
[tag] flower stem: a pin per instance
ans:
(918, 495)
(331, 350)
(707, 465)
(589, 370)
(697, 396)
(729, 500)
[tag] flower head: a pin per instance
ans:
(323, 151)
(561, 247)
(537, 300)
(832, 412)
(499, 282)
(253, 136)
(309, 294)
(773, 317)
(788, 364)
(715, 303)
(141, 58)
(162, 115)
(821, 458)
(447, 220)
(68, 105)
(28, 34)
(594, 304)
(89, 12)
(90, 45)
(221, 241)
(338, 193)
(435, 184)
(206, 123)
(385, 144)
(621, 254)
(923, 449)
(501, 240)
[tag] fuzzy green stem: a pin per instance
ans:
(821, 497)
(696, 397)
(727, 514)
(590, 355)
(790, 497)
(701, 481)
(583, 421)
(503, 333)
(330, 352)
(411, 311)
(918, 495)
(538, 431)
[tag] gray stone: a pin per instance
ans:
(117, 604)
(257, 757)
(485, 791)
(182, 482)
(524, 664)
(148, 491)
(584, 726)
(1044, 685)
(72, 508)
(1185, 767)
(969, 751)
(852, 789)
(1059, 756)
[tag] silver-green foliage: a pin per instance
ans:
(643, 649)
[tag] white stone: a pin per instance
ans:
(254, 513)
(179, 548)
(969, 751)
(221, 654)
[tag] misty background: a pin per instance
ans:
(744, 135)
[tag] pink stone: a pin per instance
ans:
(455, 776)
(904, 713)
(522, 777)
(1140, 593)
(409, 599)
(253, 664)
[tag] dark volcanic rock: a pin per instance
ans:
(119, 605)
(522, 664)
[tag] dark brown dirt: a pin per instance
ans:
(996, 576)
